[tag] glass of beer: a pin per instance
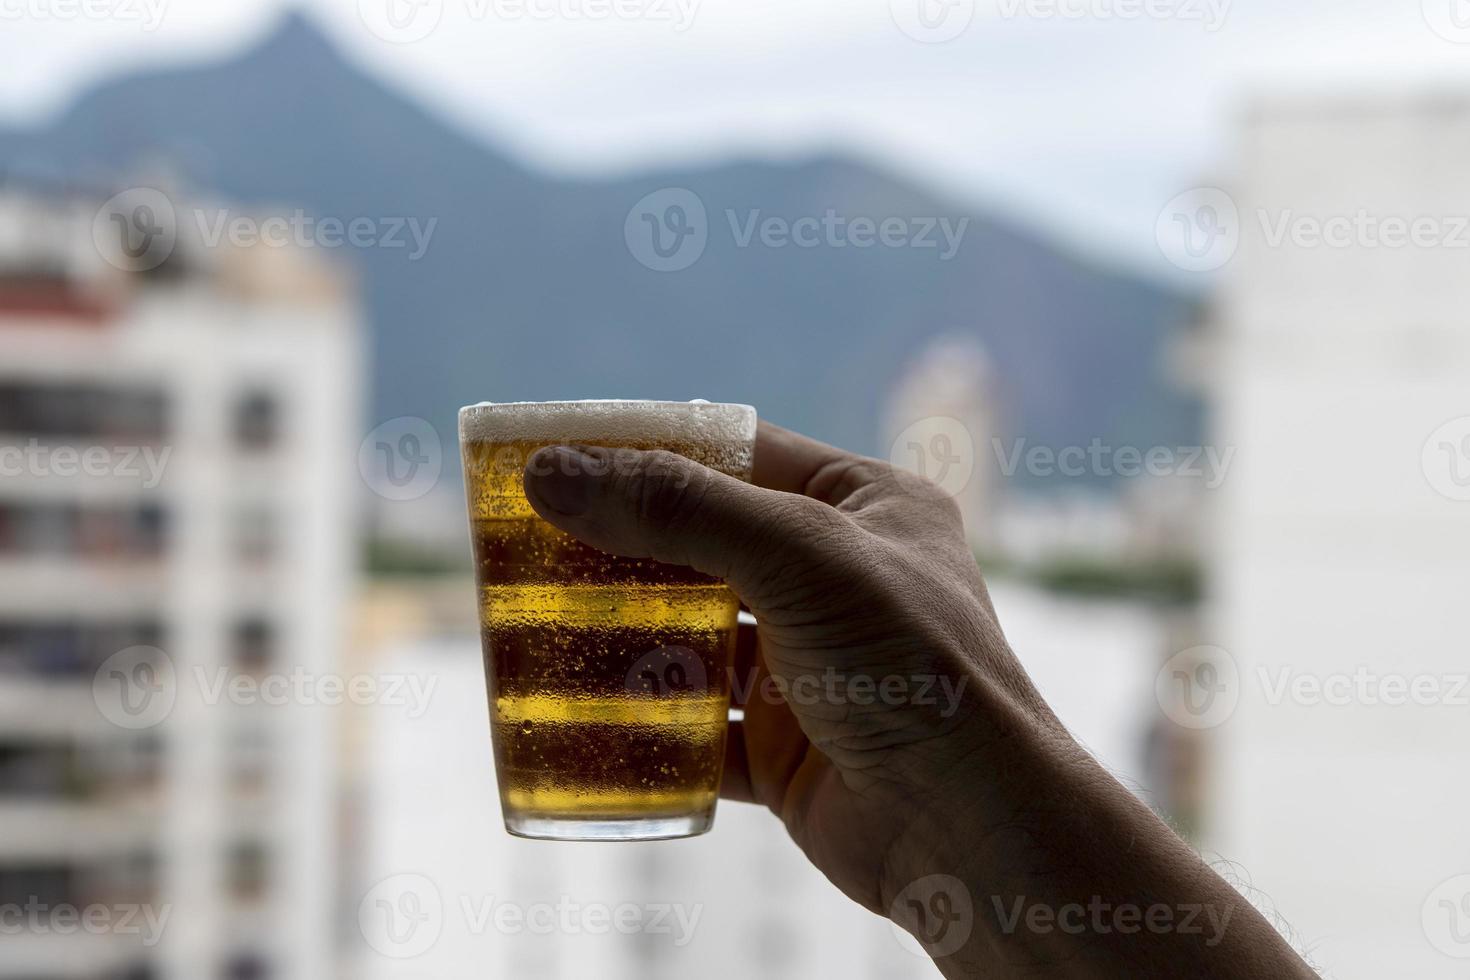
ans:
(608, 677)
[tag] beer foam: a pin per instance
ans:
(612, 422)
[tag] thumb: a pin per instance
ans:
(643, 504)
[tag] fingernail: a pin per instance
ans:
(558, 477)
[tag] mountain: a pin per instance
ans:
(528, 289)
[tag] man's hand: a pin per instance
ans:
(887, 722)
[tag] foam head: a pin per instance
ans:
(718, 435)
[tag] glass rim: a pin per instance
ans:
(576, 402)
(731, 423)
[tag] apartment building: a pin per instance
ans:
(179, 435)
(1340, 350)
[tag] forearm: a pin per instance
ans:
(1066, 873)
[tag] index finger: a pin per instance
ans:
(793, 463)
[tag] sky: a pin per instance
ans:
(1081, 117)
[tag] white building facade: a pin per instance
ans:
(180, 451)
(1340, 540)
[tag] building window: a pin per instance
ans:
(69, 530)
(68, 648)
(132, 879)
(247, 966)
(37, 770)
(248, 870)
(257, 421)
(253, 646)
(84, 412)
(41, 884)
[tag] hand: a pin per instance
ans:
(887, 722)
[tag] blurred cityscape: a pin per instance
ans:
(241, 698)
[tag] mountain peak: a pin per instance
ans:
(295, 36)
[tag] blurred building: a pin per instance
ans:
(178, 433)
(940, 420)
(1341, 348)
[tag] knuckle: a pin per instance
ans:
(910, 484)
(817, 542)
(813, 522)
(840, 476)
(946, 507)
(917, 499)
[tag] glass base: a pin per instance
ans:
(657, 828)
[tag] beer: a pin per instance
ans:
(607, 677)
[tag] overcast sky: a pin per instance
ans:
(1064, 112)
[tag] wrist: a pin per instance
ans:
(1006, 761)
